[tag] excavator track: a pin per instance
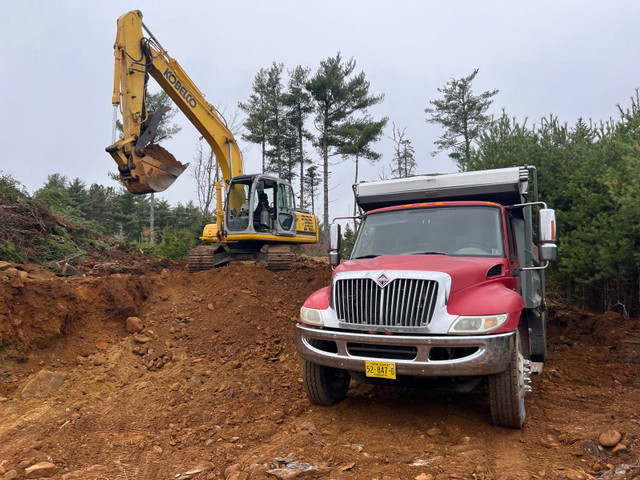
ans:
(206, 257)
(279, 257)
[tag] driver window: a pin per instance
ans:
(285, 206)
(263, 211)
(238, 207)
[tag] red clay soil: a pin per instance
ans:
(211, 388)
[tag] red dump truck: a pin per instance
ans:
(444, 287)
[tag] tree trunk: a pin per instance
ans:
(152, 219)
(325, 174)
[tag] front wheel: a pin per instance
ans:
(507, 391)
(324, 385)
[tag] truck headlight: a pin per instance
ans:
(479, 324)
(311, 316)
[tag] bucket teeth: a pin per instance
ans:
(528, 389)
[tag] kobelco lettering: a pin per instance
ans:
(181, 89)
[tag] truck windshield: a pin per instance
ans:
(457, 231)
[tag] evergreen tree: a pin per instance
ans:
(463, 117)
(298, 104)
(312, 179)
(78, 197)
(338, 95)
(256, 109)
(54, 195)
(357, 137)
(404, 159)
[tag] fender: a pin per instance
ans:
(488, 299)
(320, 299)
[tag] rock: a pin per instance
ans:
(43, 384)
(69, 271)
(424, 476)
(133, 325)
(99, 359)
(175, 387)
(10, 475)
(11, 272)
(143, 385)
(610, 438)
(40, 470)
(4, 265)
(139, 338)
(620, 447)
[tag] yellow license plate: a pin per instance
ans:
(380, 370)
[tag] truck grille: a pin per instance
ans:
(403, 302)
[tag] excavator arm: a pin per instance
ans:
(149, 168)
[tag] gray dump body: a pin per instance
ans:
(506, 186)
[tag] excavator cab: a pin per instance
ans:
(260, 205)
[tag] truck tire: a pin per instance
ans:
(507, 391)
(324, 385)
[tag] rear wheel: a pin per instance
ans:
(324, 385)
(507, 391)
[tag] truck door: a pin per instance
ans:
(286, 211)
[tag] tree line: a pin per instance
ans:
(114, 212)
(589, 171)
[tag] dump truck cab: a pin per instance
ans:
(445, 281)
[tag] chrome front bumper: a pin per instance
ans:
(488, 354)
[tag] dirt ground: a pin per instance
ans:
(210, 388)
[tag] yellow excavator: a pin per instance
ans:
(260, 209)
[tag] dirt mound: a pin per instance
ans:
(206, 385)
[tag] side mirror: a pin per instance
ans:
(547, 248)
(335, 237)
(547, 226)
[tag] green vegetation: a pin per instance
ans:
(590, 173)
(64, 220)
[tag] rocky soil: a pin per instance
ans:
(141, 371)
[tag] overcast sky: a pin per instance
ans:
(572, 58)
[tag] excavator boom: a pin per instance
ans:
(145, 169)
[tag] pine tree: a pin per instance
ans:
(338, 95)
(298, 103)
(462, 115)
(256, 110)
(358, 135)
(404, 158)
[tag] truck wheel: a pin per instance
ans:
(507, 391)
(324, 385)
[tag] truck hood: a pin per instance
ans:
(464, 271)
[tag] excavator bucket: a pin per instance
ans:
(154, 171)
